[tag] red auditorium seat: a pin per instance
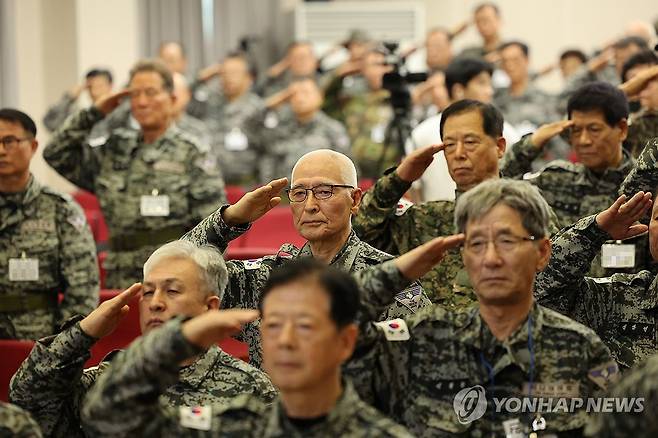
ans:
(94, 215)
(366, 183)
(13, 354)
(234, 193)
(101, 269)
(273, 230)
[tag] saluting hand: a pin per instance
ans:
(108, 103)
(212, 326)
(105, 318)
(545, 132)
(253, 205)
(620, 219)
(414, 165)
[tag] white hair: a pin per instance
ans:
(209, 260)
(347, 168)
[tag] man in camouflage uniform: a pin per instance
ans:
(225, 113)
(299, 63)
(183, 120)
(394, 225)
(639, 383)
(16, 423)
(98, 83)
(321, 216)
(621, 308)
(153, 184)
(509, 346)
(179, 279)
(596, 128)
(525, 106)
(642, 74)
(306, 129)
(303, 360)
(46, 247)
(367, 117)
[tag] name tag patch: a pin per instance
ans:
(617, 256)
(154, 205)
(197, 417)
(23, 269)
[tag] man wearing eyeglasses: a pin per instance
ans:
(153, 184)
(323, 197)
(46, 247)
(445, 373)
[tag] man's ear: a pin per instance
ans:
(212, 302)
(457, 92)
(347, 341)
(357, 195)
(623, 127)
(544, 247)
(501, 146)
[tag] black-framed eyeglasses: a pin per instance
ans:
(321, 191)
(11, 142)
(503, 243)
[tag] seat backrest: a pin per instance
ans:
(273, 230)
(13, 353)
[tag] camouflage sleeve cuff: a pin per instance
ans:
(171, 346)
(71, 343)
(589, 229)
(389, 189)
(380, 285)
(86, 118)
(225, 231)
(526, 149)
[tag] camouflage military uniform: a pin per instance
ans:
(418, 375)
(339, 91)
(280, 146)
(367, 117)
(195, 127)
(571, 189)
(226, 122)
(640, 382)
(123, 402)
(527, 113)
(125, 172)
(247, 278)
(16, 423)
(52, 384)
(397, 227)
(271, 85)
(622, 309)
(642, 128)
(39, 223)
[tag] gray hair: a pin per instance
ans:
(519, 195)
(347, 168)
(212, 268)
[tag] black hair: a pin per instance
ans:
(154, 66)
(645, 57)
(520, 44)
(462, 70)
(574, 53)
(491, 5)
(94, 72)
(631, 40)
(492, 118)
(600, 96)
(342, 289)
(16, 116)
(251, 67)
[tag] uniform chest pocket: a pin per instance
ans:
(43, 247)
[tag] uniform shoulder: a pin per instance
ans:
(562, 323)
(181, 137)
(642, 279)
(376, 423)
(371, 253)
(59, 196)
(243, 402)
(561, 166)
(228, 361)
(432, 315)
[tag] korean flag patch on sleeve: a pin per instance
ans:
(394, 330)
(403, 205)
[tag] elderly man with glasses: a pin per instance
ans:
(323, 197)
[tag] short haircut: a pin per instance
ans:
(251, 67)
(348, 169)
(155, 66)
(600, 96)
(481, 6)
(518, 195)
(462, 70)
(520, 44)
(442, 30)
(631, 41)
(341, 288)
(95, 72)
(15, 116)
(573, 53)
(645, 57)
(175, 43)
(492, 118)
(212, 268)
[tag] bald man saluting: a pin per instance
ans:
(323, 197)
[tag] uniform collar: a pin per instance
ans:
(472, 330)
(345, 257)
(336, 422)
(610, 174)
(29, 194)
(195, 374)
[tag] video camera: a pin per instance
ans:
(397, 81)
